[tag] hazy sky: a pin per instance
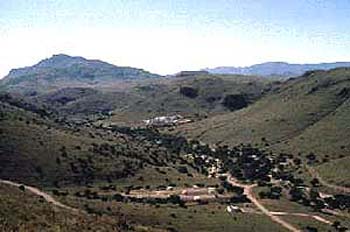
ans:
(166, 36)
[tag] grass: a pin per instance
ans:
(282, 204)
(22, 211)
(210, 217)
(307, 114)
(336, 171)
(303, 223)
(154, 179)
(144, 98)
(70, 155)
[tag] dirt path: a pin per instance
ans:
(248, 192)
(274, 216)
(315, 174)
(40, 193)
(316, 217)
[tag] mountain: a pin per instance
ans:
(277, 69)
(68, 71)
(255, 129)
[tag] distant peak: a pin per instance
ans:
(60, 60)
(62, 56)
(277, 69)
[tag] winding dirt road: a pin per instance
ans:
(248, 192)
(274, 216)
(42, 194)
(315, 174)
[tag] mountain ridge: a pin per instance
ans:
(64, 61)
(65, 71)
(276, 69)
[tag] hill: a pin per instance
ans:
(88, 168)
(151, 180)
(193, 94)
(276, 69)
(66, 71)
(309, 114)
(60, 153)
(23, 211)
(196, 94)
(77, 87)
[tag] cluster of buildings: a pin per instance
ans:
(213, 166)
(171, 120)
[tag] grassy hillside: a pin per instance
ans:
(76, 143)
(36, 150)
(23, 211)
(139, 99)
(190, 95)
(69, 159)
(306, 114)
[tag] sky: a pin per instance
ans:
(167, 36)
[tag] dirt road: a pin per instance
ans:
(40, 193)
(248, 192)
(274, 216)
(315, 174)
(316, 217)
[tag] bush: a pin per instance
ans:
(189, 92)
(182, 169)
(235, 102)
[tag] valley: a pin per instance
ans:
(93, 146)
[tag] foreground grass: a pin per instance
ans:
(209, 217)
(23, 211)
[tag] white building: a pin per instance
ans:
(166, 120)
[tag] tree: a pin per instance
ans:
(235, 102)
(118, 197)
(189, 92)
(174, 199)
(297, 194)
(311, 229)
(315, 182)
(182, 169)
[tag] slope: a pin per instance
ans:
(309, 114)
(42, 151)
(196, 94)
(66, 71)
(24, 211)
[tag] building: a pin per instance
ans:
(233, 209)
(166, 121)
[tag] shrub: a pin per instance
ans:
(189, 92)
(235, 102)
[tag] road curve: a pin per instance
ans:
(251, 197)
(247, 191)
(40, 193)
(316, 175)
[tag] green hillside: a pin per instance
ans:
(23, 211)
(42, 151)
(87, 147)
(189, 95)
(306, 114)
